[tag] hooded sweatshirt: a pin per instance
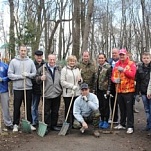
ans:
(17, 66)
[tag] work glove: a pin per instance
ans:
(43, 77)
(117, 80)
(138, 98)
(1, 79)
(85, 98)
(25, 74)
(107, 94)
(120, 69)
(74, 88)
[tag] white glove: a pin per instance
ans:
(1, 79)
(85, 98)
(74, 88)
(117, 80)
(43, 77)
(25, 74)
(120, 69)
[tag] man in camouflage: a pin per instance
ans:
(88, 71)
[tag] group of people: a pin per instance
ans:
(92, 87)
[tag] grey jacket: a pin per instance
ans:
(16, 67)
(52, 87)
(82, 108)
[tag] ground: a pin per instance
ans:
(75, 141)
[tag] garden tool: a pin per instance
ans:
(42, 125)
(25, 124)
(66, 125)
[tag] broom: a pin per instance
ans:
(42, 126)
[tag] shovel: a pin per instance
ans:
(111, 127)
(25, 123)
(66, 125)
(42, 128)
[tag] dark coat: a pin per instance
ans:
(142, 78)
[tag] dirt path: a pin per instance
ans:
(139, 141)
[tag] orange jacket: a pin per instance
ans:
(127, 76)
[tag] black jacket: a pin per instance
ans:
(37, 87)
(142, 78)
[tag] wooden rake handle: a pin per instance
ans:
(69, 108)
(43, 94)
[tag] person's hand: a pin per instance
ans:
(138, 98)
(120, 69)
(43, 77)
(149, 96)
(1, 79)
(117, 80)
(74, 88)
(84, 125)
(85, 98)
(25, 74)
(108, 93)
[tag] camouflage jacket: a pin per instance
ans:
(104, 77)
(88, 73)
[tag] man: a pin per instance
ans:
(4, 95)
(112, 61)
(86, 109)
(142, 80)
(124, 76)
(53, 91)
(21, 69)
(36, 89)
(88, 71)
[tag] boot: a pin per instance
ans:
(96, 133)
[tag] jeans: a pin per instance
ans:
(34, 108)
(147, 107)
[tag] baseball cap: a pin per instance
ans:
(39, 53)
(84, 86)
(122, 51)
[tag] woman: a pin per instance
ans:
(70, 80)
(103, 89)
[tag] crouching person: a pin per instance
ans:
(86, 110)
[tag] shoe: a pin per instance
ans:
(129, 131)
(15, 128)
(105, 125)
(149, 134)
(55, 128)
(146, 128)
(47, 131)
(96, 133)
(114, 122)
(32, 128)
(82, 130)
(101, 124)
(7, 128)
(119, 127)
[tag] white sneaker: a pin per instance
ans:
(119, 127)
(129, 131)
(15, 128)
(32, 128)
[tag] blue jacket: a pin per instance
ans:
(3, 75)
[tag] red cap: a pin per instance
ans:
(122, 51)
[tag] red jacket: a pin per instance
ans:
(127, 76)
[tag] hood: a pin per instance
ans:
(19, 58)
